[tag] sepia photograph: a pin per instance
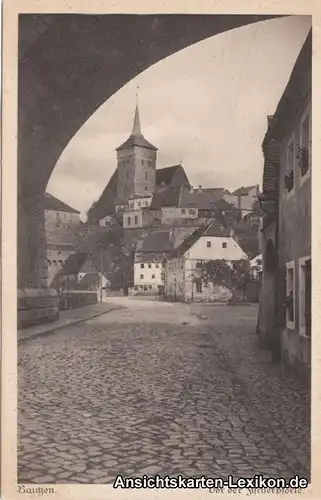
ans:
(164, 251)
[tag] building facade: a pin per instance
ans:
(285, 319)
(150, 254)
(183, 275)
(61, 223)
(243, 198)
(136, 164)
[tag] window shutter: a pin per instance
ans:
(281, 285)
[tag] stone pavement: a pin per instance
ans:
(67, 318)
(153, 388)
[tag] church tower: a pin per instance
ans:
(136, 164)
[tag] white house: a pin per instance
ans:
(182, 270)
(107, 221)
(149, 263)
(141, 201)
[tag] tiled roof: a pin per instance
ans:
(243, 191)
(270, 169)
(156, 241)
(216, 192)
(52, 203)
(203, 200)
(218, 230)
(189, 241)
(213, 230)
(299, 85)
(136, 140)
(165, 175)
(166, 197)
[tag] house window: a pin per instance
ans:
(146, 176)
(136, 220)
(198, 264)
(305, 296)
(128, 221)
(289, 174)
(145, 288)
(149, 266)
(141, 276)
(153, 276)
(141, 287)
(198, 287)
(224, 244)
(145, 188)
(191, 211)
(139, 203)
(157, 266)
(183, 210)
(150, 287)
(142, 266)
(146, 203)
(136, 288)
(290, 295)
(304, 150)
(208, 244)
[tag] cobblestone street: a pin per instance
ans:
(158, 388)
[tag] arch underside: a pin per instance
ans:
(70, 64)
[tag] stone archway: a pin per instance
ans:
(69, 65)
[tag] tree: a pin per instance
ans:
(227, 213)
(233, 276)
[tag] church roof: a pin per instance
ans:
(136, 138)
(166, 175)
(56, 205)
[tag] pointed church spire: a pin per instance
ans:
(136, 126)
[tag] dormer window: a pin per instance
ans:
(208, 244)
(224, 244)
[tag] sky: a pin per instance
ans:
(205, 106)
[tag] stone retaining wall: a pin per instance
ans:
(37, 305)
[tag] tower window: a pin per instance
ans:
(128, 221)
(145, 188)
(136, 220)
